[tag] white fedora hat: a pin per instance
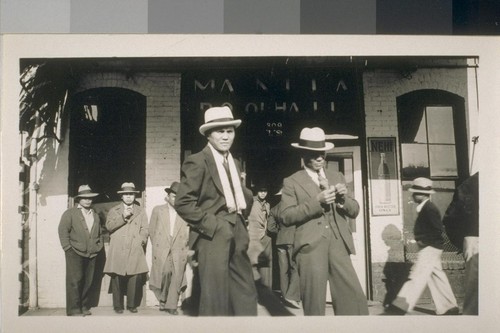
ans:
(218, 117)
(313, 139)
(84, 191)
(128, 188)
(422, 185)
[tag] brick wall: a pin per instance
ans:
(162, 92)
(381, 88)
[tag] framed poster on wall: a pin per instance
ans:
(384, 180)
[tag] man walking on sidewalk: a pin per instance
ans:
(428, 270)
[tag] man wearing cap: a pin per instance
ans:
(169, 239)
(81, 238)
(213, 201)
(427, 270)
(127, 224)
(316, 201)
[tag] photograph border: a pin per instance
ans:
(17, 46)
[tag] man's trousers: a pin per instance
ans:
(226, 283)
(83, 281)
(427, 271)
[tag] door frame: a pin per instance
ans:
(361, 259)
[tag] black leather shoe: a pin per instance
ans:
(118, 310)
(86, 312)
(133, 310)
(172, 311)
(451, 312)
(392, 310)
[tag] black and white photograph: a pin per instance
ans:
(269, 181)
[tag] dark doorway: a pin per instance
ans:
(107, 142)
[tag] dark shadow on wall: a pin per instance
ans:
(396, 270)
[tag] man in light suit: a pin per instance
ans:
(128, 226)
(316, 201)
(169, 239)
(80, 234)
(213, 201)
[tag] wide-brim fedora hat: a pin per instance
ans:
(84, 191)
(313, 139)
(127, 188)
(218, 117)
(173, 188)
(422, 185)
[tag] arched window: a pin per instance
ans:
(433, 135)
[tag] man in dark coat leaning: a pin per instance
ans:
(213, 200)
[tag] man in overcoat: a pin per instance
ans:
(213, 200)
(169, 239)
(127, 224)
(316, 201)
(80, 234)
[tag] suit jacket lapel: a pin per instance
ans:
(307, 183)
(212, 168)
(164, 217)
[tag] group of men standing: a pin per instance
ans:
(205, 221)
(81, 236)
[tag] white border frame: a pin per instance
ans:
(15, 47)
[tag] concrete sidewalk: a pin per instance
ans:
(375, 308)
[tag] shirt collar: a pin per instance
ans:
(313, 174)
(420, 205)
(219, 158)
(85, 211)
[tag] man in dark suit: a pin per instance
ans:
(316, 201)
(212, 200)
(169, 239)
(80, 234)
(461, 222)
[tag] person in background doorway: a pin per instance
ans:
(127, 224)
(317, 202)
(80, 234)
(260, 246)
(461, 222)
(428, 269)
(169, 239)
(289, 278)
(214, 202)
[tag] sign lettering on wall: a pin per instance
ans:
(383, 176)
(274, 105)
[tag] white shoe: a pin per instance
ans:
(291, 303)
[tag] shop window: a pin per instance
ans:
(429, 150)
(432, 135)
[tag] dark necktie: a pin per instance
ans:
(225, 163)
(323, 182)
(323, 185)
